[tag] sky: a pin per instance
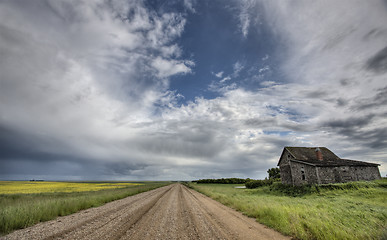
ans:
(187, 89)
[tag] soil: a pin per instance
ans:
(171, 212)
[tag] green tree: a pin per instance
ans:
(274, 173)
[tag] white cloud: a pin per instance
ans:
(267, 83)
(237, 68)
(219, 74)
(167, 68)
(245, 16)
(228, 78)
(189, 4)
(264, 69)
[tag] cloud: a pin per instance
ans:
(228, 78)
(77, 78)
(245, 16)
(237, 68)
(264, 69)
(339, 69)
(189, 4)
(167, 68)
(219, 74)
(85, 91)
(333, 86)
(378, 63)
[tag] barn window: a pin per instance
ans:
(302, 173)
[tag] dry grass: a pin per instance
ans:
(338, 212)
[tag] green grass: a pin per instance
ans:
(335, 211)
(23, 210)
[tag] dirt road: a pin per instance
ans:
(171, 212)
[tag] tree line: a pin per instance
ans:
(274, 175)
(224, 180)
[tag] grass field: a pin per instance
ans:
(355, 212)
(42, 201)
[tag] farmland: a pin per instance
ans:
(25, 187)
(23, 204)
(340, 211)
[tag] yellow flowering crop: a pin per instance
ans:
(15, 187)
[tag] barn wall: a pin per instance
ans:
(286, 174)
(299, 169)
(327, 175)
(347, 174)
(371, 173)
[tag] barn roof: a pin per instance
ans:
(308, 155)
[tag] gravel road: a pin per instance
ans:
(171, 212)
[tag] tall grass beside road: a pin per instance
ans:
(23, 210)
(342, 211)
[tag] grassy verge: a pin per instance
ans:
(343, 211)
(23, 210)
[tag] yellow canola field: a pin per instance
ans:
(23, 187)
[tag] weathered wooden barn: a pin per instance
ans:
(319, 165)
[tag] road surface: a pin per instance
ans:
(171, 212)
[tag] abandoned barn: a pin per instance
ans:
(319, 165)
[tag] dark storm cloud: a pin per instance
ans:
(350, 123)
(341, 102)
(67, 169)
(121, 168)
(260, 122)
(354, 130)
(378, 101)
(184, 139)
(26, 154)
(314, 94)
(378, 63)
(15, 144)
(374, 33)
(374, 139)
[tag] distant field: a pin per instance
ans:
(357, 211)
(22, 187)
(23, 204)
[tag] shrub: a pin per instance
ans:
(224, 181)
(309, 189)
(293, 190)
(274, 173)
(259, 183)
